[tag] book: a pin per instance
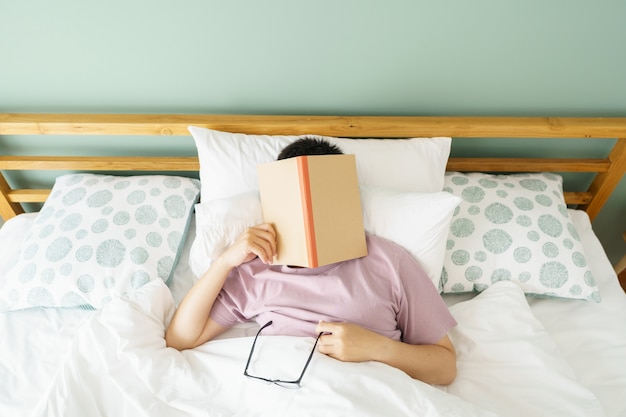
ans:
(314, 204)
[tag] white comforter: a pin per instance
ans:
(118, 365)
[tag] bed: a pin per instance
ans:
(540, 310)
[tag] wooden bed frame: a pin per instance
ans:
(609, 170)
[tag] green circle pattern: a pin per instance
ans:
(100, 235)
(514, 227)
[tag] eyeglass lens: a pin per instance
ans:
(279, 382)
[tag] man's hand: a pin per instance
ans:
(348, 342)
(431, 363)
(256, 241)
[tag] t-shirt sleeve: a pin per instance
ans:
(228, 306)
(423, 316)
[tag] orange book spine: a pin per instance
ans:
(307, 208)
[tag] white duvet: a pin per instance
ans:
(118, 365)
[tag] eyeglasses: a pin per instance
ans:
(285, 384)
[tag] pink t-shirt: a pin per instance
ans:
(386, 292)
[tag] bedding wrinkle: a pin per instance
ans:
(29, 358)
(145, 379)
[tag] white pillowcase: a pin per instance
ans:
(12, 234)
(417, 221)
(99, 236)
(228, 161)
(514, 227)
(218, 224)
(502, 349)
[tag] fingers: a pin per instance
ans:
(325, 327)
(255, 241)
(330, 342)
(346, 341)
(267, 233)
(267, 227)
(262, 241)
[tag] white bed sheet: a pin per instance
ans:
(594, 347)
(34, 342)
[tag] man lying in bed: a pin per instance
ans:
(380, 307)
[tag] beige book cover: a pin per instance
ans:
(315, 205)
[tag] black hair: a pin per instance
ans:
(309, 145)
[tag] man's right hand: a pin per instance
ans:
(259, 240)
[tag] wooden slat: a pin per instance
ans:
(149, 163)
(29, 196)
(40, 195)
(577, 197)
(605, 182)
(347, 126)
(100, 163)
(8, 208)
(528, 165)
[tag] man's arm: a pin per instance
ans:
(191, 325)
(433, 364)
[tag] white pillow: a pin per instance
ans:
(218, 224)
(99, 236)
(508, 363)
(514, 227)
(228, 161)
(12, 235)
(417, 221)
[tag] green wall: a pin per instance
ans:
(459, 57)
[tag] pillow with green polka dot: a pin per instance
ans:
(514, 227)
(99, 236)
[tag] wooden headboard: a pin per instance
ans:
(609, 170)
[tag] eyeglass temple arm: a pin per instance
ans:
(245, 371)
(306, 365)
